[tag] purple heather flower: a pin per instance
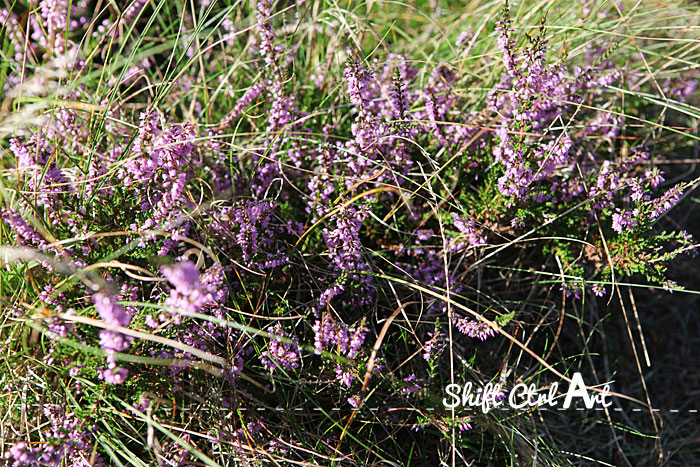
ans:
(434, 346)
(229, 37)
(507, 46)
(183, 276)
(472, 328)
(66, 443)
(609, 125)
(624, 220)
(464, 425)
(280, 354)
(399, 96)
(355, 401)
(323, 333)
(318, 78)
(469, 229)
(23, 454)
(268, 50)
(655, 177)
(412, 385)
(112, 313)
(36, 165)
(517, 222)
(343, 240)
(172, 454)
(109, 310)
(188, 295)
(112, 341)
(342, 338)
(636, 190)
(132, 10)
(598, 290)
(433, 118)
(419, 426)
(666, 201)
(344, 376)
(357, 339)
(13, 33)
(159, 169)
(683, 87)
(151, 322)
(572, 289)
(247, 225)
(24, 233)
(355, 78)
(670, 285)
(327, 332)
(245, 100)
(113, 374)
(55, 15)
(464, 37)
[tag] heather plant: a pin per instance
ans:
(274, 232)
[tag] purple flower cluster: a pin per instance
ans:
(343, 240)
(468, 228)
(345, 254)
(344, 375)
(112, 341)
(55, 15)
(330, 332)
(56, 326)
(624, 220)
(525, 164)
(13, 33)
(248, 227)
(133, 10)
(280, 352)
(66, 441)
(268, 49)
(158, 170)
(410, 385)
(173, 454)
(251, 94)
(434, 346)
(356, 78)
(37, 165)
(507, 46)
(188, 294)
(44, 36)
(24, 233)
(282, 113)
(641, 206)
(598, 290)
(666, 201)
(538, 94)
(195, 292)
(681, 89)
(473, 328)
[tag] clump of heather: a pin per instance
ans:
(221, 242)
(65, 440)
